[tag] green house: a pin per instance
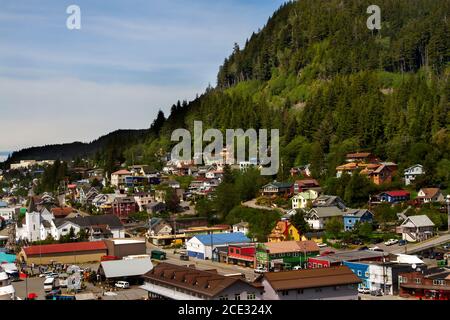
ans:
(285, 255)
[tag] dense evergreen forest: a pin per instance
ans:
(331, 86)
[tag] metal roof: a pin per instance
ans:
(222, 238)
(126, 268)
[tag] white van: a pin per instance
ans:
(50, 284)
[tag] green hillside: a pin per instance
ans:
(331, 86)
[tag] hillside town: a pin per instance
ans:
(144, 234)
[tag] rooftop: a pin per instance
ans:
(65, 247)
(311, 278)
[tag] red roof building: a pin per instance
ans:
(76, 252)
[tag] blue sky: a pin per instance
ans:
(129, 59)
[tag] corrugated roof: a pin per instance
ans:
(291, 246)
(223, 238)
(419, 221)
(311, 278)
(65, 247)
(126, 268)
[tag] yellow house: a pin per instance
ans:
(313, 236)
(284, 231)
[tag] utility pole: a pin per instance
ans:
(448, 212)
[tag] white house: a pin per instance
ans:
(417, 228)
(7, 213)
(118, 177)
(242, 227)
(317, 218)
(427, 195)
(300, 201)
(412, 172)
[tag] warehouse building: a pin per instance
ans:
(125, 247)
(77, 252)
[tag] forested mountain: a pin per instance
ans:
(332, 86)
(70, 151)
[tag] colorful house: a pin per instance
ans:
(242, 255)
(278, 189)
(394, 196)
(362, 271)
(285, 255)
(352, 217)
(284, 231)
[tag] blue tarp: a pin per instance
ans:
(8, 258)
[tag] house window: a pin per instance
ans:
(438, 282)
(418, 281)
(359, 273)
(366, 274)
(300, 291)
(285, 292)
(237, 296)
(251, 296)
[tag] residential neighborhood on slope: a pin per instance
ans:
(132, 230)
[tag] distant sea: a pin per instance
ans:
(4, 155)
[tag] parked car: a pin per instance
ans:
(357, 242)
(322, 245)
(376, 249)
(439, 255)
(376, 293)
(446, 246)
(402, 243)
(50, 284)
(122, 284)
(297, 268)
(391, 242)
(363, 248)
(184, 257)
(52, 275)
(261, 270)
(45, 274)
(364, 290)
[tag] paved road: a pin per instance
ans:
(413, 248)
(252, 204)
(222, 268)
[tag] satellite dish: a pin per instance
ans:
(414, 266)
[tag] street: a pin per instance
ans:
(222, 268)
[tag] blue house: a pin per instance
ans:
(394, 196)
(202, 246)
(361, 270)
(352, 217)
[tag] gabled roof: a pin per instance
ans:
(418, 221)
(397, 193)
(279, 184)
(356, 213)
(121, 172)
(223, 238)
(430, 192)
(325, 212)
(107, 219)
(311, 278)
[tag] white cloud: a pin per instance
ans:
(65, 110)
